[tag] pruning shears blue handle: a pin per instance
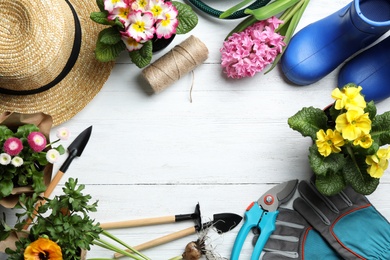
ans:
(255, 216)
(262, 214)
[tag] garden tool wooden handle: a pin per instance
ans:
(54, 182)
(138, 222)
(46, 194)
(161, 240)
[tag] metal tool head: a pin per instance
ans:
(277, 195)
(78, 145)
(222, 222)
(76, 148)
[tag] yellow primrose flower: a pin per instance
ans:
(364, 141)
(348, 98)
(329, 142)
(353, 124)
(43, 248)
(378, 163)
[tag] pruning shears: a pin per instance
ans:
(261, 215)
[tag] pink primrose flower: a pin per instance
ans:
(37, 141)
(131, 43)
(250, 51)
(13, 146)
(140, 5)
(141, 26)
(110, 5)
(122, 14)
(167, 24)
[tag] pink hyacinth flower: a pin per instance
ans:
(250, 51)
(37, 141)
(13, 146)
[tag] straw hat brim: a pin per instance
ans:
(79, 87)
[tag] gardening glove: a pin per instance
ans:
(348, 221)
(294, 238)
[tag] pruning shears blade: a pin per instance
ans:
(277, 195)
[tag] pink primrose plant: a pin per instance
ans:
(142, 20)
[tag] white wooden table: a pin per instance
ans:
(159, 155)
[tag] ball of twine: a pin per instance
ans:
(182, 59)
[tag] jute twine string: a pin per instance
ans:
(182, 59)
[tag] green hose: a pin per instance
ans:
(238, 14)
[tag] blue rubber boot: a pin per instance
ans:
(370, 70)
(320, 47)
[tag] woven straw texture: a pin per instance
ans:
(36, 39)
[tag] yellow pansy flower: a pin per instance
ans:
(329, 142)
(348, 98)
(43, 248)
(364, 141)
(378, 163)
(353, 124)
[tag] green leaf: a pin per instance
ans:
(100, 18)
(234, 8)
(38, 183)
(5, 133)
(380, 129)
(61, 149)
(330, 185)
(308, 121)
(25, 130)
(187, 18)
(271, 9)
(110, 36)
(108, 52)
(323, 166)
(6, 188)
(355, 174)
(371, 109)
(100, 4)
(143, 56)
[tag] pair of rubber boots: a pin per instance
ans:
(321, 47)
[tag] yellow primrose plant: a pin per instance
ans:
(349, 141)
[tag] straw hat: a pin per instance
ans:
(45, 65)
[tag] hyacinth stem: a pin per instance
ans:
(135, 254)
(111, 247)
(289, 13)
(292, 25)
(243, 25)
(179, 257)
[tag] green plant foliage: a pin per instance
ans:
(63, 219)
(308, 121)
(108, 47)
(143, 56)
(187, 18)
